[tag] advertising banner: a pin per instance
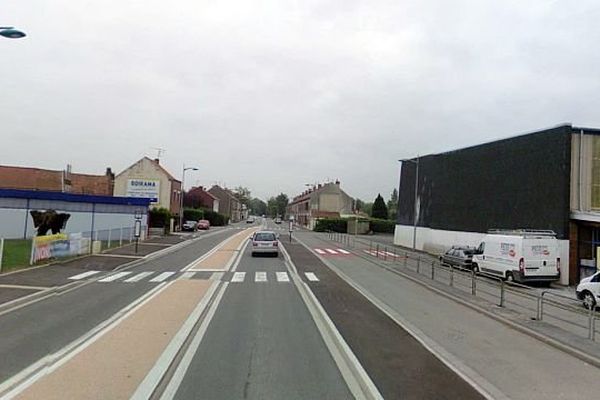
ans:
(56, 246)
(145, 188)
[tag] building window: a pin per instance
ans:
(596, 172)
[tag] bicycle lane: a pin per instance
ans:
(504, 361)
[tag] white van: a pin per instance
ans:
(519, 255)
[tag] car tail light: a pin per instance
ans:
(275, 243)
(522, 264)
(558, 264)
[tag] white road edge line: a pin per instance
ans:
(146, 388)
(187, 358)
(359, 383)
(478, 382)
(22, 380)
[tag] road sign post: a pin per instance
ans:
(291, 229)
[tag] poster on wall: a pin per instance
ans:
(58, 245)
(145, 188)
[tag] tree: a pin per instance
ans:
(257, 206)
(392, 204)
(272, 207)
(359, 205)
(276, 206)
(367, 208)
(242, 194)
(379, 208)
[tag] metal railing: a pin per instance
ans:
(481, 284)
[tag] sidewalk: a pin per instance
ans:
(518, 365)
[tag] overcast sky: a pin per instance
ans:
(275, 94)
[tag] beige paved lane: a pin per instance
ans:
(113, 366)
(221, 258)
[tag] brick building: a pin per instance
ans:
(322, 201)
(29, 178)
(197, 197)
(228, 204)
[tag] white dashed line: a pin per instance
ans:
(114, 277)
(331, 251)
(161, 277)
(139, 277)
(320, 251)
(311, 276)
(282, 277)
(343, 251)
(238, 277)
(84, 275)
(260, 277)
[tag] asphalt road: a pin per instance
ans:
(44, 327)
(262, 344)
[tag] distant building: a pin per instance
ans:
(228, 204)
(148, 179)
(28, 178)
(198, 197)
(322, 201)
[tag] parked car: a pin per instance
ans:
(519, 255)
(189, 226)
(588, 291)
(250, 220)
(204, 224)
(278, 220)
(459, 256)
(265, 242)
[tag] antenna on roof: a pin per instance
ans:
(159, 151)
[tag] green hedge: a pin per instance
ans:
(196, 214)
(382, 225)
(331, 224)
(159, 217)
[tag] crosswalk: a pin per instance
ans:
(157, 277)
(381, 253)
(336, 251)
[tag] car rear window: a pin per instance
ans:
(264, 237)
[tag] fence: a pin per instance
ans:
(19, 253)
(542, 305)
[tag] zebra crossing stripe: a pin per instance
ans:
(331, 251)
(161, 277)
(311, 276)
(188, 275)
(83, 275)
(238, 277)
(320, 251)
(114, 277)
(260, 277)
(343, 251)
(138, 277)
(282, 277)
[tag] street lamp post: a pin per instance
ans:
(182, 191)
(416, 162)
(11, 33)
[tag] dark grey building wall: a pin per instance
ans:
(520, 182)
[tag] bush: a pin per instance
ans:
(382, 225)
(331, 224)
(196, 214)
(159, 218)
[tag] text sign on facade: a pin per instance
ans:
(145, 188)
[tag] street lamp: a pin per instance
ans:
(416, 162)
(182, 191)
(11, 33)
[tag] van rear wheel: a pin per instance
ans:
(509, 276)
(588, 300)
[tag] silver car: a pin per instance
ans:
(265, 242)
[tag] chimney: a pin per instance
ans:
(109, 173)
(337, 182)
(157, 161)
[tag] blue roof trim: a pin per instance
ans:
(76, 198)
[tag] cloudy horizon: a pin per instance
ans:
(272, 95)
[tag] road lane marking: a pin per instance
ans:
(187, 275)
(343, 251)
(216, 276)
(84, 275)
(161, 277)
(114, 277)
(320, 251)
(282, 277)
(238, 277)
(311, 276)
(331, 251)
(260, 277)
(138, 277)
